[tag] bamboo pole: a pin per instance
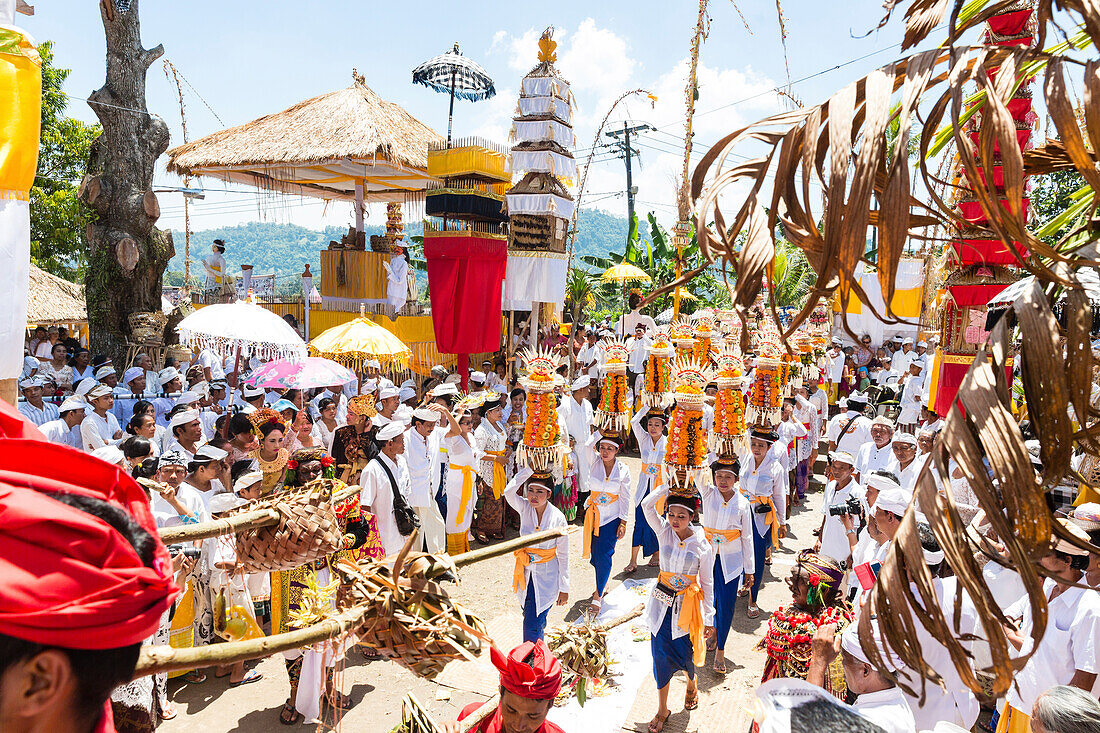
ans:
(157, 659)
(474, 719)
(236, 523)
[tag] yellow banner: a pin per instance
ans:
(20, 111)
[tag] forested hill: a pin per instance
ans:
(284, 249)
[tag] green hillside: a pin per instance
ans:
(284, 249)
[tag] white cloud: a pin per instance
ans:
(596, 60)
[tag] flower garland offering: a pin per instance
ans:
(683, 336)
(686, 448)
(657, 384)
(540, 447)
(728, 437)
(613, 412)
(705, 333)
(766, 398)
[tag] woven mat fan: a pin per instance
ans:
(308, 530)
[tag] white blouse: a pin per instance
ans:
(737, 556)
(692, 556)
(459, 453)
(769, 479)
(596, 479)
(551, 577)
(652, 455)
(488, 438)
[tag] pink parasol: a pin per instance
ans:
(308, 373)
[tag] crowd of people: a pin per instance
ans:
(449, 462)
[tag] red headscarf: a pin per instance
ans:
(537, 679)
(69, 579)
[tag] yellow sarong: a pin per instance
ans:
(181, 630)
(524, 557)
(691, 610)
(723, 535)
(468, 474)
(592, 518)
(1013, 721)
(770, 517)
(500, 476)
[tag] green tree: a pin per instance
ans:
(58, 219)
(1060, 199)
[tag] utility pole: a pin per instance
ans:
(622, 142)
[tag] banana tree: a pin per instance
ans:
(578, 296)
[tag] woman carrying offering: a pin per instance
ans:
(680, 611)
(607, 507)
(542, 570)
(727, 526)
(491, 440)
(649, 431)
(461, 497)
(764, 484)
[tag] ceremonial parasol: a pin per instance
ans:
(624, 272)
(457, 75)
(356, 341)
(308, 373)
(229, 328)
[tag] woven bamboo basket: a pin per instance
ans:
(147, 327)
(307, 530)
(413, 620)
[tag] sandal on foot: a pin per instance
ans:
(712, 644)
(658, 723)
(288, 715)
(719, 667)
(194, 677)
(169, 712)
(691, 701)
(654, 563)
(250, 676)
(743, 592)
(630, 568)
(753, 611)
(594, 606)
(338, 700)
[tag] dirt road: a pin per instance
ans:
(378, 687)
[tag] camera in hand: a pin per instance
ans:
(851, 506)
(185, 550)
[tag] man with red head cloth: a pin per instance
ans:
(84, 579)
(530, 677)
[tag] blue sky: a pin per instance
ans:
(248, 58)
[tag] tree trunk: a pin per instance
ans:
(120, 189)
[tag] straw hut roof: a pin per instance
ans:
(51, 299)
(320, 147)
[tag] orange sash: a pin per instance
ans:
(592, 518)
(524, 557)
(500, 476)
(770, 517)
(721, 536)
(468, 474)
(654, 471)
(691, 610)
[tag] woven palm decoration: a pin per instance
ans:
(686, 447)
(308, 530)
(613, 412)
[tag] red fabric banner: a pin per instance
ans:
(978, 294)
(465, 279)
(988, 251)
(950, 379)
(1010, 24)
(1022, 138)
(972, 210)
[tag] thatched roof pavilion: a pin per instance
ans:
(349, 144)
(54, 300)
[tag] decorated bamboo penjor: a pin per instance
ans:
(657, 385)
(541, 446)
(728, 435)
(686, 448)
(613, 412)
(766, 398)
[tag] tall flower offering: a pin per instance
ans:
(686, 448)
(705, 333)
(728, 436)
(613, 412)
(683, 337)
(766, 398)
(657, 385)
(541, 446)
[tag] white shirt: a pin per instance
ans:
(488, 438)
(39, 415)
(835, 366)
(639, 352)
(834, 538)
(377, 493)
(769, 479)
(1071, 642)
(166, 516)
(96, 431)
(911, 400)
(422, 459)
(550, 577)
(692, 556)
(214, 264)
(208, 359)
(855, 437)
(578, 419)
(630, 321)
(907, 477)
(58, 431)
(887, 709)
(789, 431)
(872, 458)
(820, 399)
(597, 479)
(341, 407)
(899, 362)
(736, 556)
(652, 455)
(459, 453)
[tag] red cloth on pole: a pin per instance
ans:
(465, 280)
(951, 378)
(977, 294)
(988, 251)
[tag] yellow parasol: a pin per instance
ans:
(356, 341)
(624, 272)
(683, 294)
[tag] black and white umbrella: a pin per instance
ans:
(457, 75)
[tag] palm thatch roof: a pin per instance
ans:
(51, 299)
(320, 147)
